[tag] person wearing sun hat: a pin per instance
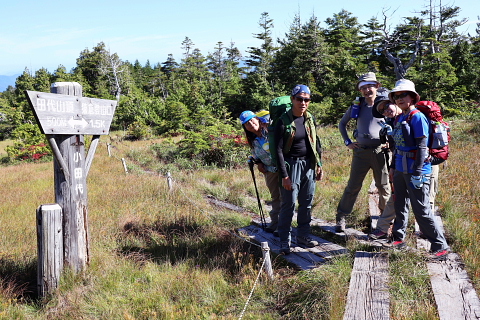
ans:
(411, 176)
(300, 165)
(404, 83)
(254, 125)
(367, 149)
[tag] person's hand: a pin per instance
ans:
(319, 173)
(287, 183)
(261, 167)
(418, 181)
(353, 145)
(388, 128)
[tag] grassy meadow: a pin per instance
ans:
(156, 254)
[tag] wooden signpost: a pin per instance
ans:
(65, 117)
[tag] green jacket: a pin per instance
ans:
(313, 138)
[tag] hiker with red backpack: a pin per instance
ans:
(412, 168)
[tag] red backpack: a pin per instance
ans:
(439, 129)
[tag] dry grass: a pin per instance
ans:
(157, 254)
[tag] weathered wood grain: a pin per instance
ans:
(454, 294)
(368, 297)
(303, 258)
(50, 248)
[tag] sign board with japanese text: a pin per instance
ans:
(71, 115)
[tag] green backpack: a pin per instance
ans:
(276, 108)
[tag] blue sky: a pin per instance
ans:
(36, 34)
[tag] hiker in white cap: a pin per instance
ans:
(412, 171)
(368, 151)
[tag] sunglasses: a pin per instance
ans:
(300, 99)
(400, 96)
(385, 109)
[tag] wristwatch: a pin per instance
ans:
(347, 142)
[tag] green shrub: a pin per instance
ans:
(30, 143)
(139, 131)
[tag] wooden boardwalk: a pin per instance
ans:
(368, 296)
(303, 258)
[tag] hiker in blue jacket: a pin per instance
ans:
(255, 129)
(411, 176)
(299, 164)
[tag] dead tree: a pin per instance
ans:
(390, 41)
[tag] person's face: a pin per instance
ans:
(252, 125)
(403, 99)
(389, 110)
(300, 104)
(369, 90)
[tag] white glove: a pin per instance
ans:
(387, 127)
(418, 181)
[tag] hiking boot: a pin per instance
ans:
(307, 242)
(271, 228)
(340, 227)
(398, 244)
(284, 247)
(378, 234)
(439, 255)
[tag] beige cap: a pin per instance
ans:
(367, 77)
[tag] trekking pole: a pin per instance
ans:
(387, 160)
(260, 208)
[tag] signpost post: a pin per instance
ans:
(65, 117)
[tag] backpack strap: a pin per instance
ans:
(410, 115)
(289, 132)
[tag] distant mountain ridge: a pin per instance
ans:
(6, 81)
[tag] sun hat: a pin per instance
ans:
(367, 78)
(299, 88)
(404, 85)
(246, 116)
(379, 104)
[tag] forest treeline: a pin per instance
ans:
(200, 96)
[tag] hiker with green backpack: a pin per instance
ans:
(298, 156)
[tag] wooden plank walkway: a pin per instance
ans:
(303, 258)
(454, 293)
(368, 297)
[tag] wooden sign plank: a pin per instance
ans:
(71, 115)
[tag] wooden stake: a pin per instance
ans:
(50, 248)
(266, 257)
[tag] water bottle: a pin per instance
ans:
(407, 135)
(355, 108)
(440, 136)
